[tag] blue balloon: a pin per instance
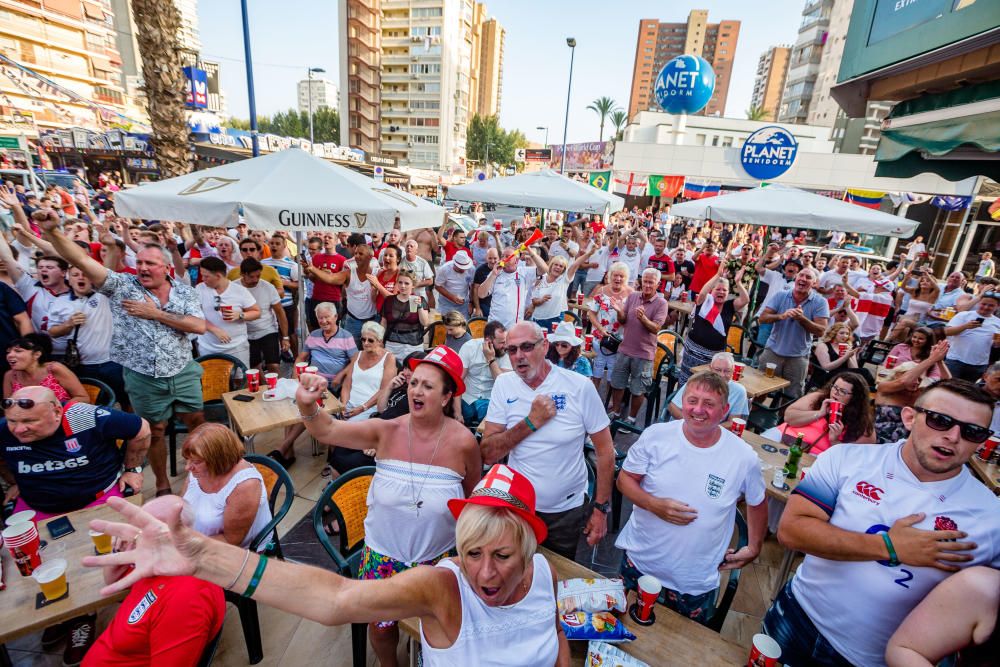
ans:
(685, 85)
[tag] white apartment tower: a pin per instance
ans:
(324, 94)
(804, 62)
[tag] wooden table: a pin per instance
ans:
(755, 382)
(672, 640)
(18, 616)
(989, 473)
(257, 416)
(685, 308)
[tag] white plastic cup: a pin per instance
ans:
(764, 652)
(19, 517)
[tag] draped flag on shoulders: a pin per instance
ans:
(665, 186)
(712, 313)
(600, 179)
(700, 189)
(866, 198)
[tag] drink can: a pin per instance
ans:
(253, 380)
(764, 652)
(300, 368)
(890, 362)
(737, 371)
(271, 379)
(988, 449)
(836, 410)
(739, 424)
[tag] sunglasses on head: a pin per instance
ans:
(23, 403)
(941, 422)
(525, 348)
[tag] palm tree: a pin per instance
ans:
(602, 106)
(619, 119)
(757, 113)
(157, 23)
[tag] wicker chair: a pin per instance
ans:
(221, 373)
(437, 333)
(345, 501)
(100, 393)
(477, 327)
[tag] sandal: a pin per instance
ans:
(327, 471)
(285, 462)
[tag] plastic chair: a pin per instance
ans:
(437, 333)
(735, 337)
(100, 394)
(570, 316)
(345, 500)
(221, 373)
(763, 417)
(875, 352)
(722, 609)
(477, 327)
(663, 366)
(209, 653)
(276, 478)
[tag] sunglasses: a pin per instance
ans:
(369, 340)
(523, 347)
(940, 422)
(23, 403)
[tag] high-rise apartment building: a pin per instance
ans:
(772, 67)
(360, 32)
(804, 63)
(487, 63)
(324, 94)
(72, 43)
(659, 43)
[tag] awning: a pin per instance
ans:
(955, 135)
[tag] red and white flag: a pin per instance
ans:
(629, 183)
(712, 312)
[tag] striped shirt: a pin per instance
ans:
(288, 270)
(330, 355)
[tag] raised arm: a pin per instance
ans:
(68, 250)
(367, 434)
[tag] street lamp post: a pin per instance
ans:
(546, 134)
(254, 142)
(571, 43)
(317, 70)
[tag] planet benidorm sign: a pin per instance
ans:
(769, 152)
(684, 85)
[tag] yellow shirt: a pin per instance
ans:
(269, 274)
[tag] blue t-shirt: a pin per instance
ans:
(582, 366)
(75, 465)
(789, 338)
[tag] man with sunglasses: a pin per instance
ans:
(881, 526)
(539, 416)
(972, 334)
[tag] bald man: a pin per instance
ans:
(58, 459)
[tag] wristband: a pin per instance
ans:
(255, 579)
(239, 574)
(893, 559)
(530, 425)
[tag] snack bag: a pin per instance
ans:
(603, 625)
(600, 654)
(591, 595)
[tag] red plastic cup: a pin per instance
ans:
(738, 426)
(589, 340)
(843, 347)
(764, 652)
(684, 296)
(737, 371)
(497, 224)
(253, 380)
(272, 380)
(579, 331)
(890, 362)
(988, 448)
(225, 310)
(300, 368)
(22, 540)
(648, 591)
(579, 298)
(836, 410)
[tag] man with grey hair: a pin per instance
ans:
(798, 314)
(642, 315)
(153, 315)
(739, 406)
(991, 383)
(509, 285)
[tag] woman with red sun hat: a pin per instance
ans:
(494, 605)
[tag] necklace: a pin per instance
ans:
(416, 503)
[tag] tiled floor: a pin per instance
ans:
(292, 641)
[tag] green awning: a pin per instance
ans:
(955, 135)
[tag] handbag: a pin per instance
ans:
(71, 359)
(610, 343)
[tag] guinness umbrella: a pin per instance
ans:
(290, 190)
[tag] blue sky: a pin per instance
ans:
(288, 36)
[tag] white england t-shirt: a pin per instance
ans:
(94, 338)
(552, 457)
(857, 605)
(973, 345)
(600, 257)
(239, 297)
(631, 259)
(478, 376)
(711, 480)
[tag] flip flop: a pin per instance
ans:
(285, 462)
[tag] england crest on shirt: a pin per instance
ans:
(713, 487)
(140, 609)
(560, 401)
(72, 445)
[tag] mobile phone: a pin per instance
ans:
(246, 398)
(60, 527)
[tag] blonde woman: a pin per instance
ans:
(827, 357)
(549, 295)
(604, 318)
(458, 330)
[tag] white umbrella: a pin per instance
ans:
(539, 189)
(782, 206)
(289, 190)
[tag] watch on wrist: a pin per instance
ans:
(604, 507)
(137, 470)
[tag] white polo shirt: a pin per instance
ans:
(552, 457)
(857, 605)
(711, 480)
(972, 346)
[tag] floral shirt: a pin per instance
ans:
(145, 346)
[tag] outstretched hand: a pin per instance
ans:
(165, 545)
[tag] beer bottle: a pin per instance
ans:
(794, 454)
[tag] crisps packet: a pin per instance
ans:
(600, 654)
(603, 625)
(591, 595)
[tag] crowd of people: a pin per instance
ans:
(542, 346)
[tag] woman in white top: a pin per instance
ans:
(370, 371)
(228, 252)
(227, 493)
(360, 291)
(492, 606)
(549, 295)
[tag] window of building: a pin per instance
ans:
(727, 142)
(425, 12)
(699, 140)
(715, 140)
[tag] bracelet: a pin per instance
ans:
(246, 558)
(309, 418)
(255, 579)
(530, 425)
(893, 558)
